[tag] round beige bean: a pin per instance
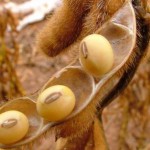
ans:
(14, 126)
(56, 103)
(96, 55)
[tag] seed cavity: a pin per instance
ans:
(9, 123)
(84, 50)
(52, 97)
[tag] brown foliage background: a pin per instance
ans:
(126, 120)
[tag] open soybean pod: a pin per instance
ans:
(123, 42)
(124, 30)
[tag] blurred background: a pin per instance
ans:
(24, 70)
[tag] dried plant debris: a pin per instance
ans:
(136, 96)
(9, 83)
(32, 11)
